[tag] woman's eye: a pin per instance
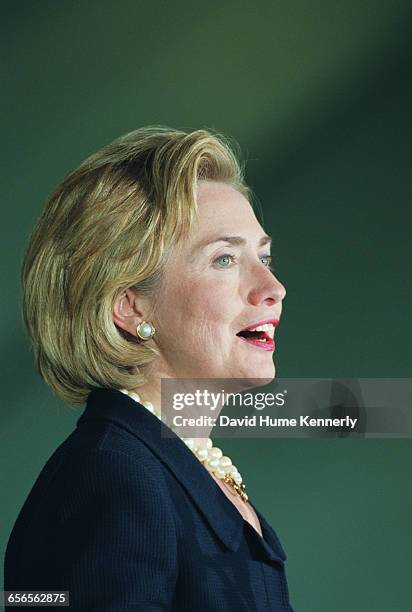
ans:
(267, 261)
(224, 261)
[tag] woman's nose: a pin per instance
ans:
(265, 287)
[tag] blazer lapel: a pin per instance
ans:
(220, 513)
(270, 542)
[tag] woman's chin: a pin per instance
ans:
(265, 372)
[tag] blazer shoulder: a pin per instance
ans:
(98, 457)
(106, 508)
(98, 451)
(107, 436)
(110, 476)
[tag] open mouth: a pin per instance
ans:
(260, 336)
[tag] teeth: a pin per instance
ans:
(267, 327)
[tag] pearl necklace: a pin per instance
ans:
(210, 456)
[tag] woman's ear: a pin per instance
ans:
(128, 311)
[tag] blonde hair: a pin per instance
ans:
(110, 225)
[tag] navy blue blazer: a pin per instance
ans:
(128, 520)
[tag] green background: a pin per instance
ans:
(316, 93)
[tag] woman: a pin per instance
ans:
(146, 263)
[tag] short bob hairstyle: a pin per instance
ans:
(110, 225)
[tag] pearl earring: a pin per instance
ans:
(145, 330)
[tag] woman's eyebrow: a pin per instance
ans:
(235, 240)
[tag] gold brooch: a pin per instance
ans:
(239, 488)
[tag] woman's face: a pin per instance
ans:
(217, 283)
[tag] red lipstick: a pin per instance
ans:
(259, 339)
(274, 322)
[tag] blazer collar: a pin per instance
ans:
(221, 514)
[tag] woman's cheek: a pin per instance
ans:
(207, 305)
